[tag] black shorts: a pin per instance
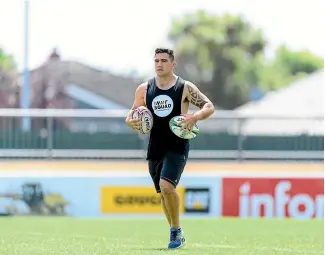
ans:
(169, 168)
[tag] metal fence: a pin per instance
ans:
(104, 134)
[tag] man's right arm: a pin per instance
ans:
(139, 100)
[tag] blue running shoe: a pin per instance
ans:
(177, 238)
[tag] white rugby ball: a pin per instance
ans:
(144, 114)
(176, 128)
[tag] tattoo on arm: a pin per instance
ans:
(196, 98)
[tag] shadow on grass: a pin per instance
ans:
(152, 249)
(159, 249)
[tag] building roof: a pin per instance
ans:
(304, 97)
(118, 89)
(57, 75)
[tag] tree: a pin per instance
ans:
(7, 62)
(298, 61)
(220, 52)
(287, 67)
(224, 55)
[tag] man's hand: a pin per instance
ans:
(138, 101)
(189, 122)
(133, 123)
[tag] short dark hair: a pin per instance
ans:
(170, 52)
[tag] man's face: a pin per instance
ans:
(163, 64)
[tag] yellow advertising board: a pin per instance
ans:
(133, 200)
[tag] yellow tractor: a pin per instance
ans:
(37, 201)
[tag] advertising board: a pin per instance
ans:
(42, 196)
(197, 200)
(254, 194)
(101, 195)
(123, 199)
(300, 198)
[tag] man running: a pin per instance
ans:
(166, 96)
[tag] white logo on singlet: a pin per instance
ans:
(162, 105)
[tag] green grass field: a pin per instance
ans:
(71, 236)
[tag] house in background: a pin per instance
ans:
(61, 84)
(9, 97)
(304, 97)
(9, 90)
(68, 84)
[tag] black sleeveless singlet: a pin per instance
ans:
(165, 104)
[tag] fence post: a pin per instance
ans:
(49, 135)
(240, 139)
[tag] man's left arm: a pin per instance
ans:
(197, 98)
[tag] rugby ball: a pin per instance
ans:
(176, 128)
(144, 114)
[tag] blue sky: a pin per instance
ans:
(87, 30)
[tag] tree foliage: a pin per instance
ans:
(225, 55)
(7, 62)
(287, 67)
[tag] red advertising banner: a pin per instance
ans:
(301, 198)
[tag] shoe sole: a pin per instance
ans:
(183, 243)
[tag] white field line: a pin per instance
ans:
(196, 245)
